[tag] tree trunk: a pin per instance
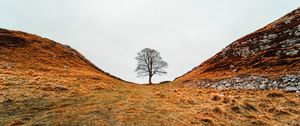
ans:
(150, 77)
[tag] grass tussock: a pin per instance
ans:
(219, 110)
(249, 107)
(217, 98)
(275, 95)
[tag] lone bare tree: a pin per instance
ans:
(150, 63)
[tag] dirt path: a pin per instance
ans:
(146, 105)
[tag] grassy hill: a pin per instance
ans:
(43, 82)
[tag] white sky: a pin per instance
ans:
(111, 32)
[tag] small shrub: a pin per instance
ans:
(186, 81)
(7, 102)
(216, 98)
(291, 103)
(207, 120)
(271, 110)
(282, 112)
(278, 112)
(160, 95)
(236, 109)
(257, 123)
(265, 105)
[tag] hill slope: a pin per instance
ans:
(25, 54)
(270, 54)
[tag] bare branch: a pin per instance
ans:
(150, 63)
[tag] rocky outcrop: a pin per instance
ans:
(287, 82)
(256, 59)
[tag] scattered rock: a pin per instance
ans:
(264, 40)
(221, 87)
(288, 21)
(291, 89)
(8, 65)
(66, 68)
(278, 53)
(265, 47)
(273, 36)
(292, 52)
(286, 82)
(263, 87)
(297, 33)
(227, 85)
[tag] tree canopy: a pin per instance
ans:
(150, 63)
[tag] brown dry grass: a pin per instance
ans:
(38, 100)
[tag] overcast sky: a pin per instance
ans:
(111, 32)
